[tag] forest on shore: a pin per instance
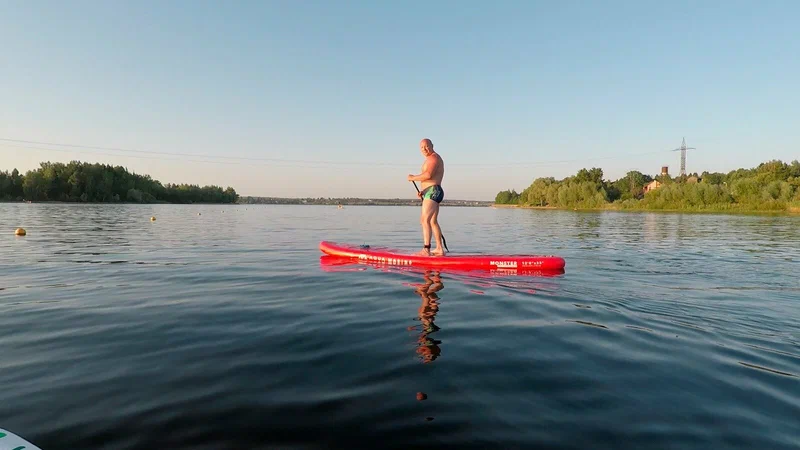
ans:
(92, 182)
(771, 186)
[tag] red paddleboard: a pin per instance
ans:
(395, 257)
(330, 263)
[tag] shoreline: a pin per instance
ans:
(61, 202)
(789, 211)
(414, 203)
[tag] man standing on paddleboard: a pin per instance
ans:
(431, 194)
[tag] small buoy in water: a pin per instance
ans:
(198, 214)
(20, 232)
(153, 219)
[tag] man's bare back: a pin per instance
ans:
(436, 164)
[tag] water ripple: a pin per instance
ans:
(222, 331)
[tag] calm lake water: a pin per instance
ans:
(224, 331)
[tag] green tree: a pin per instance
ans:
(86, 182)
(630, 186)
(772, 185)
(5, 186)
(713, 178)
(507, 197)
(536, 193)
(594, 175)
(35, 186)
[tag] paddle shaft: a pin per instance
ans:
(444, 241)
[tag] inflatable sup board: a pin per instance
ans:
(396, 257)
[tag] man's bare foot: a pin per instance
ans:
(437, 252)
(424, 252)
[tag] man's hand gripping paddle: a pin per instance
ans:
(444, 241)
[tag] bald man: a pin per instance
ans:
(431, 194)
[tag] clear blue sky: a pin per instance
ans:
(328, 88)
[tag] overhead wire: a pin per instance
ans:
(278, 163)
(220, 159)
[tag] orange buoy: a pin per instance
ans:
(20, 232)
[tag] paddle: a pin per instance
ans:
(444, 241)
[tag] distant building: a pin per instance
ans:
(664, 171)
(655, 184)
(692, 179)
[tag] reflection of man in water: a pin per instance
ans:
(427, 347)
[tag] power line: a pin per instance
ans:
(282, 161)
(279, 163)
(115, 149)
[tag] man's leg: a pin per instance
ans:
(425, 221)
(437, 230)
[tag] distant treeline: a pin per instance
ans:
(321, 201)
(773, 185)
(352, 201)
(85, 182)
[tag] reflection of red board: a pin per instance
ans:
(330, 263)
(481, 279)
(394, 257)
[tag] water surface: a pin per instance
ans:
(216, 327)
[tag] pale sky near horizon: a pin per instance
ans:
(321, 98)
